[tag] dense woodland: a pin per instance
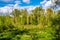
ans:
(39, 24)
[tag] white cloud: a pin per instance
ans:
(26, 1)
(51, 3)
(43, 2)
(18, 2)
(8, 9)
(16, 6)
(5, 10)
(10, 5)
(46, 4)
(7, 0)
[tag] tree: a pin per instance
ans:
(16, 12)
(24, 14)
(58, 11)
(49, 11)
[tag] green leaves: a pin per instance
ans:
(35, 26)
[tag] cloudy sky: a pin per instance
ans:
(9, 5)
(22, 2)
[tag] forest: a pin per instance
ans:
(38, 24)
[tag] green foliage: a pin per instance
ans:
(34, 26)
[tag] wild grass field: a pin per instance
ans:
(36, 25)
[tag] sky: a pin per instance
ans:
(22, 2)
(8, 5)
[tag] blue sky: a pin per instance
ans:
(23, 2)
